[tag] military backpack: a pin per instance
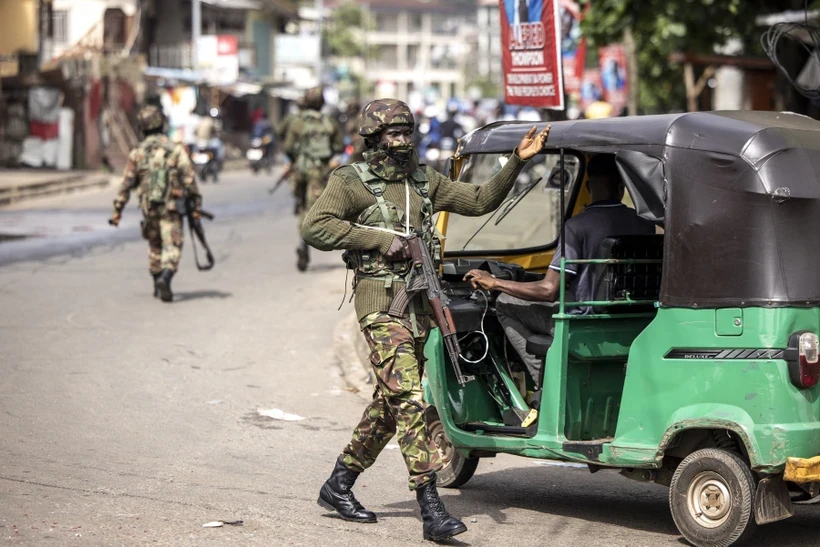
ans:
(315, 140)
(155, 183)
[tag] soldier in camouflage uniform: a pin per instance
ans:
(160, 171)
(356, 141)
(312, 140)
(297, 185)
(366, 209)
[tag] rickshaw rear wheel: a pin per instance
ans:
(711, 497)
(456, 469)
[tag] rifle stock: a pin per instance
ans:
(195, 226)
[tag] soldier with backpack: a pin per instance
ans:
(161, 173)
(312, 140)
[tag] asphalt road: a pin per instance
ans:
(125, 421)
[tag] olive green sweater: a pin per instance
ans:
(329, 223)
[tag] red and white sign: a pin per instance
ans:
(218, 57)
(531, 53)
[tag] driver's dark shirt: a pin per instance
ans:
(585, 233)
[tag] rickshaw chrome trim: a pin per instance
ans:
(724, 353)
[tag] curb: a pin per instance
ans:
(60, 185)
(353, 354)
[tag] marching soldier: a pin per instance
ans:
(160, 172)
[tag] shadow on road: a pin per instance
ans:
(194, 295)
(603, 498)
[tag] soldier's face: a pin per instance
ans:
(397, 133)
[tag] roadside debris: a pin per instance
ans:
(277, 414)
(221, 523)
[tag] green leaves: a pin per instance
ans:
(662, 27)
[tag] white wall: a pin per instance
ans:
(85, 16)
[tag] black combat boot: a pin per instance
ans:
(438, 524)
(156, 290)
(304, 257)
(164, 285)
(335, 495)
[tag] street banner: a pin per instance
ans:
(573, 46)
(531, 53)
(614, 80)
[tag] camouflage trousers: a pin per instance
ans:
(314, 182)
(397, 407)
(164, 235)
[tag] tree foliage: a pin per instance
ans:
(661, 27)
(343, 34)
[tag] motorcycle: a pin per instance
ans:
(258, 154)
(204, 158)
(437, 153)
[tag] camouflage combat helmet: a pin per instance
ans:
(150, 118)
(314, 98)
(382, 113)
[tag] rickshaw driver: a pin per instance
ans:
(526, 308)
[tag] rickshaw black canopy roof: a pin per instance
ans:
(738, 194)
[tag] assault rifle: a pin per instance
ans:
(186, 208)
(282, 178)
(424, 277)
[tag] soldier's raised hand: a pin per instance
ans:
(532, 144)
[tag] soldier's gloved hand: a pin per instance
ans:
(396, 251)
(115, 219)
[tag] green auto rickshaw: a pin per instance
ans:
(697, 367)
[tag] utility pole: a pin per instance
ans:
(320, 9)
(196, 31)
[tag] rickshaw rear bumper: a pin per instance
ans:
(802, 470)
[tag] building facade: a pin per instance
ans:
(420, 48)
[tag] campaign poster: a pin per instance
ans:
(591, 88)
(614, 81)
(573, 46)
(531, 58)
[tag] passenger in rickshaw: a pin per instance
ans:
(526, 308)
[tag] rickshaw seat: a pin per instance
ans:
(637, 281)
(539, 344)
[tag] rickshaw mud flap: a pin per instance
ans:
(772, 500)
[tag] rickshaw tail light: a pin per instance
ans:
(804, 359)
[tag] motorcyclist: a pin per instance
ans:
(209, 131)
(450, 128)
(262, 128)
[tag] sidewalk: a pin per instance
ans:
(22, 184)
(353, 354)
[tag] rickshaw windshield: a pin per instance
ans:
(532, 213)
